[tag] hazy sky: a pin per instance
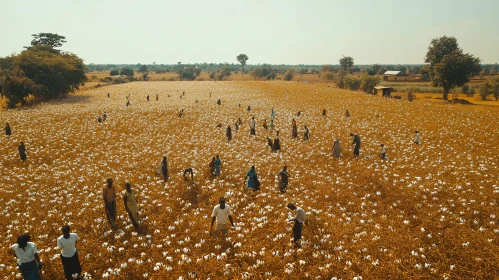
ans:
(278, 32)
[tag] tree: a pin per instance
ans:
(346, 63)
(448, 66)
(225, 71)
(114, 72)
(55, 74)
(485, 90)
(242, 58)
(368, 83)
(142, 69)
(328, 76)
(212, 75)
(50, 39)
(16, 87)
(288, 76)
(257, 73)
(197, 71)
(129, 72)
(327, 68)
(373, 70)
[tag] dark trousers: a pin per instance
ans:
(297, 228)
(253, 132)
(356, 150)
(71, 266)
(30, 270)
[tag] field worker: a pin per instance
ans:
(277, 144)
(218, 165)
(109, 196)
(252, 126)
(212, 166)
(157, 97)
(219, 102)
(108, 95)
(239, 121)
(298, 114)
(265, 124)
(272, 114)
(417, 140)
(228, 133)
(356, 141)
(99, 119)
(271, 125)
(347, 114)
(283, 180)
(299, 219)
(269, 142)
(252, 179)
(147, 97)
(189, 171)
(164, 169)
(220, 213)
(8, 131)
(131, 207)
(306, 133)
(28, 261)
(249, 108)
(236, 126)
(22, 151)
(104, 116)
(324, 112)
(294, 129)
(336, 148)
(382, 154)
(69, 255)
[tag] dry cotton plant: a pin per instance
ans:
(427, 211)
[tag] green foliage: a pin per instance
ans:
(368, 83)
(145, 76)
(143, 69)
(448, 66)
(485, 90)
(373, 70)
(212, 75)
(346, 63)
(271, 76)
(410, 96)
(16, 87)
(55, 74)
(187, 74)
(288, 76)
(465, 89)
(49, 39)
(197, 71)
(242, 58)
(490, 87)
(328, 76)
(7, 63)
(327, 68)
(129, 72)
(352, 83)
(225, 71)
(114, 72)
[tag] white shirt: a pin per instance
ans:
(252, 123)
(383, 150)
(418, 139)
(221, 214)
(68, 246)
(300, 215)
(27, 255)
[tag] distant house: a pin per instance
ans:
(383, 91)
(400, 77)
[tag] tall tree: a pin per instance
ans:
(49, 39)
(242, 58)
(448, 66)
(346, 63)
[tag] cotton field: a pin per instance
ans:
(427, 211)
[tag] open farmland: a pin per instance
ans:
(429, 211)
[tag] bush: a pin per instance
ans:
(271, 76)
(288, 76)
(114, 72)
(465, 89)
(410, 96)
(353, 84)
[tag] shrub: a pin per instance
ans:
(114, 72)
(288, 76)
(410, 95)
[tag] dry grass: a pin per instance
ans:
(427, 212)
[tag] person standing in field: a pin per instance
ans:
(249, 108)
(189, 171)
(28, 261)
(228, 133)
(99, 119)
(212, 166)
(336, 148)
(22, 151)
(417, 140)
(108, 95)
(306, 133)
(252, 179)
(347, 114)
(218, 166)
(382, 153)
(294, 129)
(220, 213)
(104, 116)
(252, 126)
(324, 112)
(356, 141)
(284, 179)
(164, 168)
(109, 196)
(157, 97)
(265, 124)
(131, 207)
(219, 102)
(269, 142)
(298, 220)
(8, 131)
(147, 97)
(271, 125)
(272, 114)
(69, 255)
